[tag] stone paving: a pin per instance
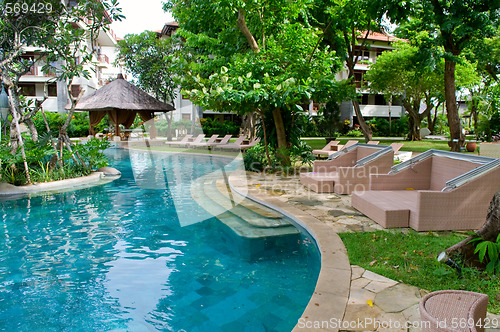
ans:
(375, 303)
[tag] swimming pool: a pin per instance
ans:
(139, 254)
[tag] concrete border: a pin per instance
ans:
(94, 179)
(327, 306)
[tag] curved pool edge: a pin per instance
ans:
(327, 305)
(94, 179)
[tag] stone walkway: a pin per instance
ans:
(375, 303)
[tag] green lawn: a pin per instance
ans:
(414, 146)
(410, 257)
(165, 148)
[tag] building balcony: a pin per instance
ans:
(381, 111)
(103, 60)
(33, 71)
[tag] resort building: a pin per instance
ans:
(371, 105)
(184, 108)
(101, 71)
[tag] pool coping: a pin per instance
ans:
(94, 179)
(327, 305)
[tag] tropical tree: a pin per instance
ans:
(405, 74)
(483, 96)
(152, 63)
(63, 35)
(454, 25)
(346, 26)
(254, 56)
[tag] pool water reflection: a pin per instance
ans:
(127, 256)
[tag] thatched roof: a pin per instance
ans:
(121, 95)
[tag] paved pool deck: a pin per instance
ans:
(347, 297)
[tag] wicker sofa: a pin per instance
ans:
(348, 169)
(436, 190)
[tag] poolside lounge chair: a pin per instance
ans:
(441, 310)
(332, 146)
(436, 190)
(207, 143)
(233, 145)
(346, 145)
(222, 141)
(243, 146)
(348, 169)
(396, 147)
(183, 141)
(373, 142)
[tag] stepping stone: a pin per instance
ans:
(397, 298)
(336, 213)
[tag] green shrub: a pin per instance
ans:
(255, 159)
(489, 253)
(78, 127)
(38, 157)
(214, 126)
(354, 133)
(380, 127)
(400, 127)
(162, 126)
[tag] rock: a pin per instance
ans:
(109, 171)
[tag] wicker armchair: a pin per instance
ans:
(453, 310)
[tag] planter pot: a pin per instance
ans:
(471, 146)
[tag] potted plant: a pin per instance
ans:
(470, 146)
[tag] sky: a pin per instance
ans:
(140, 15)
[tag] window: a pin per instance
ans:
(52, 90)
(28, 89)
(186, 117)
(364, 99)
(362, 55)
(380, 100)
(359, 78)
(75, 90)
(30, 57)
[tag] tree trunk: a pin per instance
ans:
(474, 113)
(365, 128)
(266, 144)
(489, 232)
(31, 125)
(414, 128)
(457, 138)
(432, 120)
(248, 124)
(415, 117)
(281, 152)
(15, 121)
(169, 129)
(242, 25)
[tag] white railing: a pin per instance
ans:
(381, 110)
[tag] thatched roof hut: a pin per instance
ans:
(121, 100)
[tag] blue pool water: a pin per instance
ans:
(138, 254)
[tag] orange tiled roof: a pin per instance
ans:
(378, 36)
